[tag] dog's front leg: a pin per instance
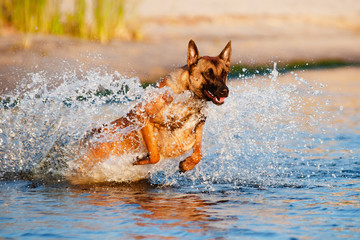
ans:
(149, 138)
(190, 162)
(144, 113)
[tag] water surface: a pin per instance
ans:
(281, 161)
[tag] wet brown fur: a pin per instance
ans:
(205, 78)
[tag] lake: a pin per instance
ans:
(281, 161)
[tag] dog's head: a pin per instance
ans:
(208, 75)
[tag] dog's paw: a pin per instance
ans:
(185, 165)
(181, 167)
(142, 160)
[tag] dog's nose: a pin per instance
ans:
(224, 92)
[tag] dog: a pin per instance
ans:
(170, 124)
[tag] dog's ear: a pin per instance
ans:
(226, 54)
(193, 53)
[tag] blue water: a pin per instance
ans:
(143, 211)
(281, 161)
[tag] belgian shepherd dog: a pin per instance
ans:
(167, 126)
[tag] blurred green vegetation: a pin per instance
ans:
(244, 71)
(100, 20)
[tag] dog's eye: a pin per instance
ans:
(210, 73)
(223, 73)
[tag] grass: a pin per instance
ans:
(106, 21)
(244, 71)
(109, 19)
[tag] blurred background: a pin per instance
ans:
(148, 38)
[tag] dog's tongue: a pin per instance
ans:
(221, 99)
(215, 99)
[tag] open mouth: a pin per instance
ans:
(213, 98)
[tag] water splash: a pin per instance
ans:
(257, 137)
(34, 120)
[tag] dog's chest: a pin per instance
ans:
(175, 126)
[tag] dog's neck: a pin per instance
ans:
(173, 80)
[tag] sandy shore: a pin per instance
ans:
(260, 33)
